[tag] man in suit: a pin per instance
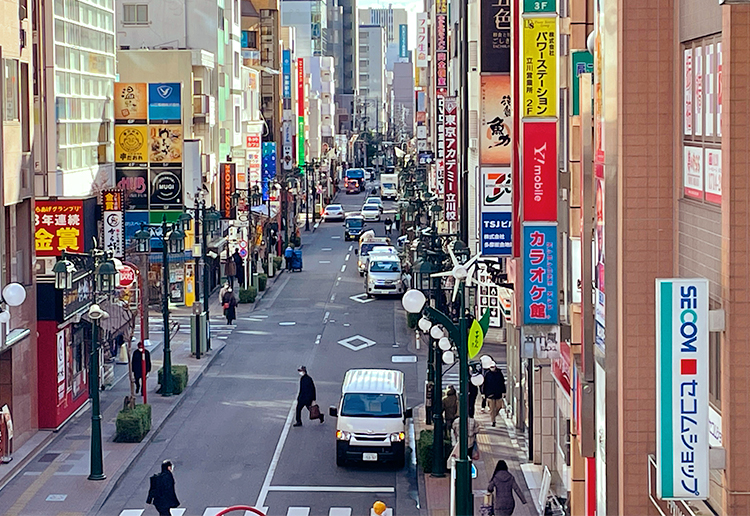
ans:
(161, 492)
(139, 356)
(306, 396)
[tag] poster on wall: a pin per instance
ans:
(713, 175)
(165, 144)
(692, 167)
(540, 71)
(58, 226)
(687, 101)
(131, 102)
(495, 130)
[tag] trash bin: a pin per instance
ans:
(198, 334)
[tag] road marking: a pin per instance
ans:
(402, 359)
(275, 460)
(350, 247)
(325, 249)
(326, 316)
(298, 511)
(254, 332)
(350, 342)
(340, 511)
(343, 268)
(336, 237)
(317, 339)
(56, 498)
(333, 296)
(338, 279)
(361, 298)
(287, 323)
(332, 489)
(324, 261)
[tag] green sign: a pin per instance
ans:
(476, 338)
(583, 62)
(301, 141)
(539, 6)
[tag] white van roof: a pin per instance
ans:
(381, 381)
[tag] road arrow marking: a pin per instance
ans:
(350, 342)
(361, 298)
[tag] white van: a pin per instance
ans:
(384, 274)
(372, 416)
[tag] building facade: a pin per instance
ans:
(370, 103)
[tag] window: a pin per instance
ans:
(10, 77)
(135, 14)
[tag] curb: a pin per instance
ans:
(19, 465)
(135, 455)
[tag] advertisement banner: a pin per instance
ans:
(164, 103)
(540, 303)
(687, 106)
(134, 182)
(287, 71)
(166, 189)
(131, 102)
(131, 144)
(497, 192)
(441, 50)
(403, 41)
(114, 232)
(583, 62)
(682, 389)
(540, 69)
(692, 168)
(496, 22)
(165, 144)
(58, 226)
(227, 187)
(497, 233)
(451, 159)
(540, 171)
(421, 59)
(539, 6)
(252, 144)
(440, 141)
(495, 132)
(300, 112)
(287, 142)
(268, 169)
(713, 175)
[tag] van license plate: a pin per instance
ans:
(370, 456)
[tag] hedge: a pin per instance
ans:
(277, 262)
(179, 378)
(424, 450)
(412, 320)
(248, 295)
(262, 280)
(133, 424)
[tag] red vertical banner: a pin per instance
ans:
(451, 159)
(540, 171)
(300, 87)
(516, 77)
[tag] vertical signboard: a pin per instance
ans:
(687, 110)
(495, 132)
(268, 168)
(540, 303)
(287, 142)
(540, 171)
(228, 188)
(252, 142)
(583, 62)
(403, 41)
(441, 44)
(421, 58)
(540, 67)
(497, 233)
(287, 71)
(114, 223)
(497, 211)
(496, 36)
(58, 226)
(682, 389)
(440, 141)
(451, 159)
(300, 111)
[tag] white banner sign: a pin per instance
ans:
(114, 233)
(421, 40)
(682, 389)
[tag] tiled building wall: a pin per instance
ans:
(698, 18)
(736, 254)
(646, 217)
(700, 244)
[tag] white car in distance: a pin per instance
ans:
(371, 212)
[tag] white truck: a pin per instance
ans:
(389, 186)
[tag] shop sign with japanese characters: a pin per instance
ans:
(540, 67)
(421, 40)
(451, 159)
(539, 6)
(58, 226)
(540, 171)
(682, 389)
(497, 233)
(440, 141)
(131, 102)
(540, 304)
(114, 232)
(496, 22)
(495, 132)
(164, 102)
(131, 144)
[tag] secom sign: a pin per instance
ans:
(682, 388)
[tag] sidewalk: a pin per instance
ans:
(49, 473)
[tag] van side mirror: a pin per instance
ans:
(333, 411)
(356, 252)
(408, 413)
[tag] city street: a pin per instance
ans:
(231, 440)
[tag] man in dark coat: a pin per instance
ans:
(494, 390)
(139, 356)
(229, 302)
(239, 267)
(161, 492)
(306, 396)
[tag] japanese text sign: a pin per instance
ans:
(540, 171)
(451, 159)
(583, 62)
(287, 70)
(421, 40)
(58, 226)
(112, 200)
(496, 22)
(403, 35)
(164, 102)
(540, 67)
(497, 233)
(131, 144)
(114, 232)
(682, 389)
(495, 132)
(440, 141)
(540, 304)
(130, 102)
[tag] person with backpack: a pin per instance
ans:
(161, 492)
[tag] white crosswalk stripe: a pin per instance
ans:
(213, 511)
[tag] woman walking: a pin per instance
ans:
(230, 305)
(503, 484)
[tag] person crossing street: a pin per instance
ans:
(306, 397)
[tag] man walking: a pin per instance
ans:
(141, 365)
(494, 390)
(306, 396)
(161, 492)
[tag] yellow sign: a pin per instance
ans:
(476, 338)
(131, 144)
(540, 67)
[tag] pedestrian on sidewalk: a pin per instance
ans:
(230, 305)
(503, 484)
(306, 396)
(161, 492)
(494, 390)
(288, 254)
(398, 220)
(140, 356)
(473, 429)
(230, 271)
(450, 407)
(239, 268)
(473, 392)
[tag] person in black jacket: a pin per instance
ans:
(306, 396)
(137, 365)
(161, 493)
(494, 390)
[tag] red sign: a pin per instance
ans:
(58, 226)
(451, 159)
(253, 141)
(228, 187)
(127, 276)
(300, 87)
(561, 370)
(540, 171)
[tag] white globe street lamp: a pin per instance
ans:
(413, 301)
(424, 324)
(477, 379)
(444, 344)
(436, 332)
(448, 357)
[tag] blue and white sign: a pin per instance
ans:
(682, 438)
(540, 303)
(268, 167)
(403, 38)
(286, 68)
(497, 234)
(164, 101)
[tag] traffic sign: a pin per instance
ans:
(127, 276)
(243, 244)
(243, 252)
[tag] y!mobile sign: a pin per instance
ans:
(540, 171)
(451, 160)
(682, 389)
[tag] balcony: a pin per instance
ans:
(200, 106)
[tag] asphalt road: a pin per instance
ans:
(231, 440)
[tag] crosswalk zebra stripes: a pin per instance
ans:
(213, 511)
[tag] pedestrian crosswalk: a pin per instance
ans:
(213, 511)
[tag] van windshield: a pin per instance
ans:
(366, 248)
(389, 266)
(354, 223)
(371, 405)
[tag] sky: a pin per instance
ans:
(412, 6)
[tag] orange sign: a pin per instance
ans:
(131, 102)
(112, 200)
(58, 226)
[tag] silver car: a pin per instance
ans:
(334, 212)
